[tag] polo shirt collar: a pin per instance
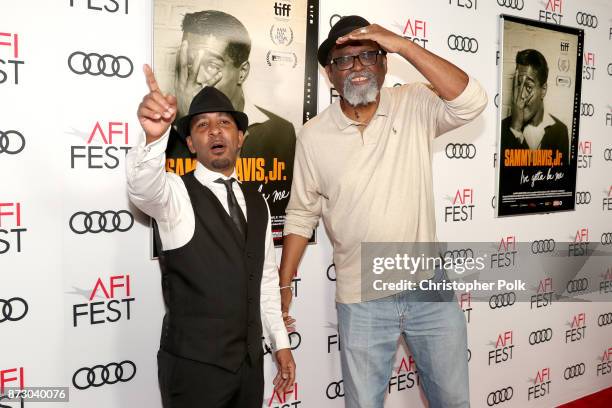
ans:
(343, 122)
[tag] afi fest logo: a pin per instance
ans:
(11, 378)
(467, 4)
(604, 367)
(405, 376)
(541, 385)
(588, 66)
(577, 330)
(110, 6)
(580, 245)
(465, 302)
(584, 154)
(9, 58)
(503, 348)
(105, 147)
(543, 296)
(11, 227)
(416, 31)
(114, 304)
(462, 206)
(552, 13)
(505, 257)
(288, 399)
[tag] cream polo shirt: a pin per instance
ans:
(376, 186)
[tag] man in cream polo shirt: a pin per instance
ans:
(364, 166)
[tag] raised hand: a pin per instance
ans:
(388, 40)
(520, 99)
(191, 78)
(156, 112)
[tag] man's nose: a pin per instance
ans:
(214, 129)
(357, 65)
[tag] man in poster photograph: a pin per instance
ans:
(530, 124)
(538, 131)
(215, 48)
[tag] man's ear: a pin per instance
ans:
(544, 89)
(240, 138)
(190, 144)
(243, 72)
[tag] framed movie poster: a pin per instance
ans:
(539, 112)
(262, 55)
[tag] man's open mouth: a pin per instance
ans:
(217, 147)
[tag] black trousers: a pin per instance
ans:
(185, 383)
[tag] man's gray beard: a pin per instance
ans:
(356, 95)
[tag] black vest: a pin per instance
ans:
(211, 285)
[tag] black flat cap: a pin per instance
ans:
(342, 27)
(210, 99)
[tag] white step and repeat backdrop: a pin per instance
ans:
(80, 299)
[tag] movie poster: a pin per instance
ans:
(541, 66)
(262, 55)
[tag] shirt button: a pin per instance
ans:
(250, 300)
(251, 276)
(249, 254)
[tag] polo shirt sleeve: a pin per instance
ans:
(449, 115)
(304, 208)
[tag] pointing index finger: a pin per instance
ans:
(150, 77)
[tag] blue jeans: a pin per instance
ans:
(435, 331)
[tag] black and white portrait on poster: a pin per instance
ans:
(255, 52)
(539, 114)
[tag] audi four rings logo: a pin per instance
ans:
(460, 151)
(574, 371)
(11, 144)
(606, 238)
(540, 336)
(499, 396)
(13, 309)
(100, 64)
(460, 43)
(604, 319)
(583, 197)
(586, 20)
(99, 375)
(335, 390)
(459, 254)
(512, 4)
(502, 300)
(542, 246)
(101, 221)
(577, 285)
(608, 154)
(587, 109)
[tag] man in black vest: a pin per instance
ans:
(219, 275)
